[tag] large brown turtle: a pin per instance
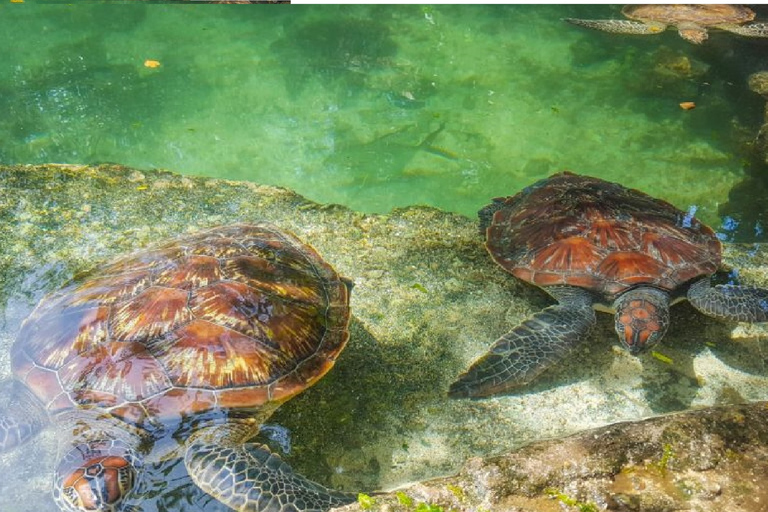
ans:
(592, 244)
(193, 344)
(691, 21)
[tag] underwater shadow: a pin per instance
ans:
(337, 52)
(368, 389)
(668, 375)
(673, 385)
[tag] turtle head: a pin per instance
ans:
(642, 318)
(95, 476)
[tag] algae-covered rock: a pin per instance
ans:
(427, 301)
(758, 82)
(705, 460)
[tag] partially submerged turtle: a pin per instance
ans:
(194, 342)
(691, 21)
(592, 244)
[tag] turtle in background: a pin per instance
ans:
(691, 20)
(596, 245)
(187, 347)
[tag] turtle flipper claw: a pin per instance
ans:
(619, 26)
(530, 348)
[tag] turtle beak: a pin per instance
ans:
(637, 341)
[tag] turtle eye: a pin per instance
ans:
(97, 484)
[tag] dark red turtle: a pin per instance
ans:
(592, 244)
(201, 338)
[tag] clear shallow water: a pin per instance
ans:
(447, 106)
(377, 107)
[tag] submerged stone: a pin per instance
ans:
(427, 301)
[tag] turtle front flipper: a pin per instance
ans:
(248, 477)
(729, 302)
(620, 26)
(751, 30)
(22, 418)
(530, 348)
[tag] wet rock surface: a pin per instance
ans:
(427, 301)
(705, 460)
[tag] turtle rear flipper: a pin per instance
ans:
(247, 476)
(620, 26)
(751, 30)
(530, 348)
(728, 302)
(22, 418)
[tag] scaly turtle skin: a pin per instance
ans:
(200, 339)
(691, 21)
(592, 244)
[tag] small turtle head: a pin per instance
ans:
(95, 476)
(642, 318)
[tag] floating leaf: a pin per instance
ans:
(661, 357)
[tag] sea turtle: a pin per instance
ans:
(692, 21)
(192, 344)
(592, 244)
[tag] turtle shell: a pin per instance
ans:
(582, 231)
(705, 15)
(230, 318)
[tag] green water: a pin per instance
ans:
(339, 102)
(378, 107)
